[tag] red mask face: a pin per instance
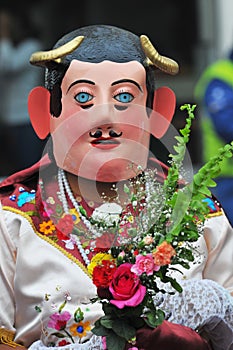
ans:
(103, 130)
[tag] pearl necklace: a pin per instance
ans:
(64, 188)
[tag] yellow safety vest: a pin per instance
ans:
(223, 70)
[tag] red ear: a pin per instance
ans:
(38, 109)
(163, 110)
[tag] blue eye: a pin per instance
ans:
(83, 97)
(124, 97)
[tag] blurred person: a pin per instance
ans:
(214, 90)
(20, 147)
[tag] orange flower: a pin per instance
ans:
(80, 329)
(163, 254)
(47, 227)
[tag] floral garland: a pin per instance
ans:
(131, 273)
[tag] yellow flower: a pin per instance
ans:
(75, 215)
(47, 227)
(130, 219)
(97, 260)
(80, 329)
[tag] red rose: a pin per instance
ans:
(126, 287)
(103, 273)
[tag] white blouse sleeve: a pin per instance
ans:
(218, 236)
(7, 272)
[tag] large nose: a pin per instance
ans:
(104, 116)
(105, 121)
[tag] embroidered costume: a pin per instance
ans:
(51, 274)
(100, 108)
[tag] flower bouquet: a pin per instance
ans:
(164, 219)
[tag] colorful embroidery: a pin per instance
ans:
(64, 327)
(47, 227)
(26, 197)
(212, 205)
(80, 329)
(23, 197)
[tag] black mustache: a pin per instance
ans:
(98, 133)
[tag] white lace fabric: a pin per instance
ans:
(203, 306)
(95, 343)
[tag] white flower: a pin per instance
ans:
(107, 213)
(69, 243)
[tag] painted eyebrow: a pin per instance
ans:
(79, 82)
(127, 81)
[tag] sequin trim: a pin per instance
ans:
(218, 213)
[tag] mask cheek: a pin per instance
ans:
(70, 136)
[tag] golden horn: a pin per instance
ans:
(41, 57)
(163, 63)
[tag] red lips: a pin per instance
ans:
(105, 143)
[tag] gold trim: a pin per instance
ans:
(7, 337)
(47, 239)
(218, 213)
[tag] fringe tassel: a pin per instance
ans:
(7, 336)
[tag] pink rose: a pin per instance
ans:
(126, 287)
(144, 263)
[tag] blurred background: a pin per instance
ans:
(194, 33)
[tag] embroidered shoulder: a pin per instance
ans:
(20, 198)
(215, 208)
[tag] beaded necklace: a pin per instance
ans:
(97, 230)
(64, 188)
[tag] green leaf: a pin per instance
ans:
(78, 315)
(109, 309)
(32, 213)
(154, 319)
(123, 329)
(62, 307)
(126, 189)
(82, 210)
(58, 335)
(106, 321)
(186, 254)
(115, 342)
(38, 308)
(99, 330)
